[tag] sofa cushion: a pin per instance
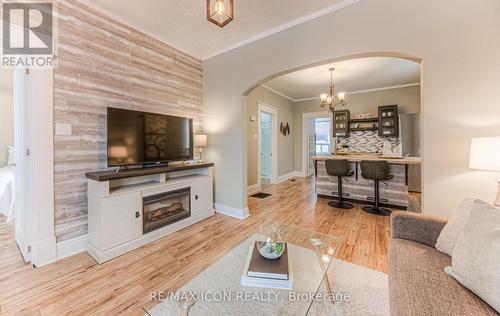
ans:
(476, 257)
(454, 228)
(418, 284)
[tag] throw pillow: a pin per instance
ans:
(476, 257)
(452, 230)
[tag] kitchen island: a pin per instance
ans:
(393, 193)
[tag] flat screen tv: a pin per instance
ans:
(140, 138)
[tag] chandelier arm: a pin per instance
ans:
(332, 101)
(340, 103)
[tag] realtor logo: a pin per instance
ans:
(27, 34)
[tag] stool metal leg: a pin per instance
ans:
(377, 210)
(340, 203)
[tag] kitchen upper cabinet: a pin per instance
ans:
(388, 121)
(341, 123)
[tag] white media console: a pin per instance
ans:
(129, 209)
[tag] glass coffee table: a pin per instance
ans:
(218, 289)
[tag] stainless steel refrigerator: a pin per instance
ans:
(409, 133)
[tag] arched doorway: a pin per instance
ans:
(249, 136)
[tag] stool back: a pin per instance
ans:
(375, 170)
(337, 168)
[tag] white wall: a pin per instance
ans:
(285, 109)
(6, 113)
(459, 43)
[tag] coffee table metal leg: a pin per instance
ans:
(329, 288)
(326, 280)
(186, 305)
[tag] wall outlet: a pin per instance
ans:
(63, 129)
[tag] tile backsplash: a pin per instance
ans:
(365, 141)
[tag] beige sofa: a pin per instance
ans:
(418, 284)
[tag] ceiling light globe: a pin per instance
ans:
(219, 6)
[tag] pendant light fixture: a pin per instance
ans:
(331, 100)
(220, 12)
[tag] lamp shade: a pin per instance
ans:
(485, 153)
(200, 140)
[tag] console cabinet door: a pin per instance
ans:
(201, 196)
(121, 217)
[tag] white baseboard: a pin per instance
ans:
(288, 176)
(71, 247)
(300, 174)
(45, 252)
(254, 188)
(231, 211)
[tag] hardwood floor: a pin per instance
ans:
(79, 286)
(10, 256)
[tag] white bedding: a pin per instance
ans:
(7, 192)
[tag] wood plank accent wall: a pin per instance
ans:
(104, 63)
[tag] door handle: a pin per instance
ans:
(196, 197)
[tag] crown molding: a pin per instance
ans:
(349, 93)
(304, 19)
(307, 99)
(278, 93)
(386, 88)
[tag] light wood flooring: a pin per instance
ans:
(79, 286)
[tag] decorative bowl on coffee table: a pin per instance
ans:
(270, 244)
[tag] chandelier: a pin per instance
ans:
(331, 100)
(218, 14)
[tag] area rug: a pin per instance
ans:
(361, 291)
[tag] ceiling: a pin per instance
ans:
(183, 23)
(353, 75)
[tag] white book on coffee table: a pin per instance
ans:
(266, 282)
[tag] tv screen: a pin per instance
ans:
(136, 138)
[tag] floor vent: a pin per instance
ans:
(261, 195)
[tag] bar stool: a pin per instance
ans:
(339, 169)
(377, 171)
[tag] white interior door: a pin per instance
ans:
(267, 155)
(22, 117)
(265, 145)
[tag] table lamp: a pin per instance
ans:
(200, 141)
(485, 155)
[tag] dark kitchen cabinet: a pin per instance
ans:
(341, 123)
(388, 121)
